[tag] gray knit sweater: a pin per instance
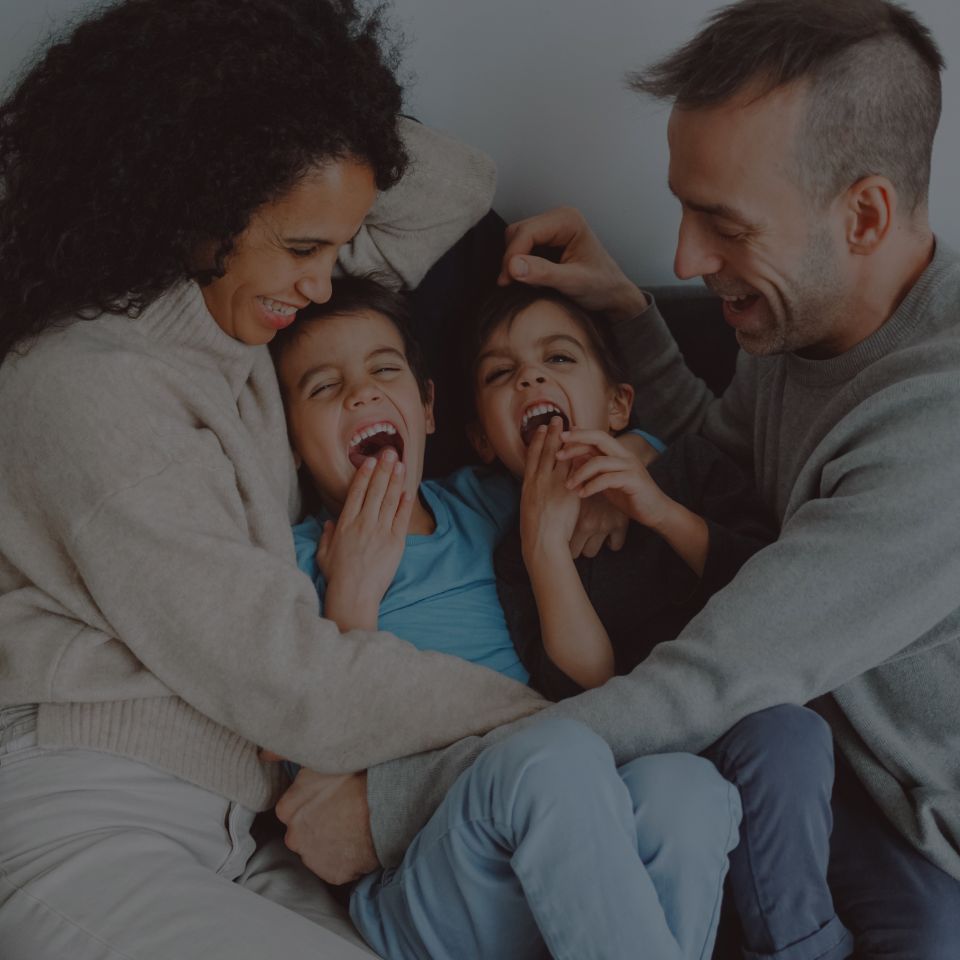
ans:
(150, 600)
(859, 456)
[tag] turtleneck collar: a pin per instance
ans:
(180, 318)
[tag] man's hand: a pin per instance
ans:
(328, 825)
(359, 554)
(586, 272)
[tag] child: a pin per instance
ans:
(540, 364)
(543, 842)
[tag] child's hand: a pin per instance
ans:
(359, 554)
(548, 509)
(606, 466)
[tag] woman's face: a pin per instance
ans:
(283, 260)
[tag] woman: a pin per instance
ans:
(179, 177)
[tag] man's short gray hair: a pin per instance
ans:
(873, 76)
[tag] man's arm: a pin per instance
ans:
(860, 573)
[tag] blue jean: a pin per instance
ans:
(543, 847)
(806, 860)
(898, 904)
(781, 761)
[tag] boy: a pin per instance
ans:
(542, 842)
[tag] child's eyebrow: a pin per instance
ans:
(319, 368)
(554, 337)
(391, 351)
(542, 342)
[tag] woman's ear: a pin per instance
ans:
(621, 403)
(479, 442)
(428, 409)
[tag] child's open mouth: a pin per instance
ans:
(538, 415)
(372, 440)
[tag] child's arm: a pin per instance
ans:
(616, 472)
(359, 554)
(573, 636)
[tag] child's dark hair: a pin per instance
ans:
(506, 303)
(354, 295)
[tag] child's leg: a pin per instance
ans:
(533, 850)
(687, 820)
(781, 760)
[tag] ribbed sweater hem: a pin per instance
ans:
(167, 733)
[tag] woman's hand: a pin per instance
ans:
(359, 554)
(548, 508)
(586, 272)
(608, 467)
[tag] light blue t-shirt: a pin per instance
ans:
(444, 596)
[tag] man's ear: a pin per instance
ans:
(479, 442)
(428, 409)
(871, 204)
(621, 403)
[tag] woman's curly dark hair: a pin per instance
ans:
(158, 127)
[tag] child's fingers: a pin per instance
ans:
(571, 451)
(552, 443)
(401, 519)
(326, 538)
(379, 481)
(357, 491)
(532, 463)
(616, 480)
(595, 438)
(392, 494)
(593, 467)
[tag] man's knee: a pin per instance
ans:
(785, 741)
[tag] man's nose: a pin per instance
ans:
(696, 254)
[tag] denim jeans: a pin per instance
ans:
(544, 845)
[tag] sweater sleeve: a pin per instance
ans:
(174, 586)
(669, 400)
(447, 188)
(865, 570)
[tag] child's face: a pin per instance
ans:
(350, 393)
(539, 366)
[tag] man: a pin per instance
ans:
(800, 144)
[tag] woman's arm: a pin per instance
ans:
(447, 188)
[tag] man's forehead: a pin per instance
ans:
(725, 158)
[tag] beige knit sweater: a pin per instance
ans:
(149, 597)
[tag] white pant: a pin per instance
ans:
(104, 858)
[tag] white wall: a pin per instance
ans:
(539, 85)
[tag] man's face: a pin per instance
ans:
(752, 233)
(349, 393)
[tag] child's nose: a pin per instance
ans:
(363, 393)
(528, 378)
